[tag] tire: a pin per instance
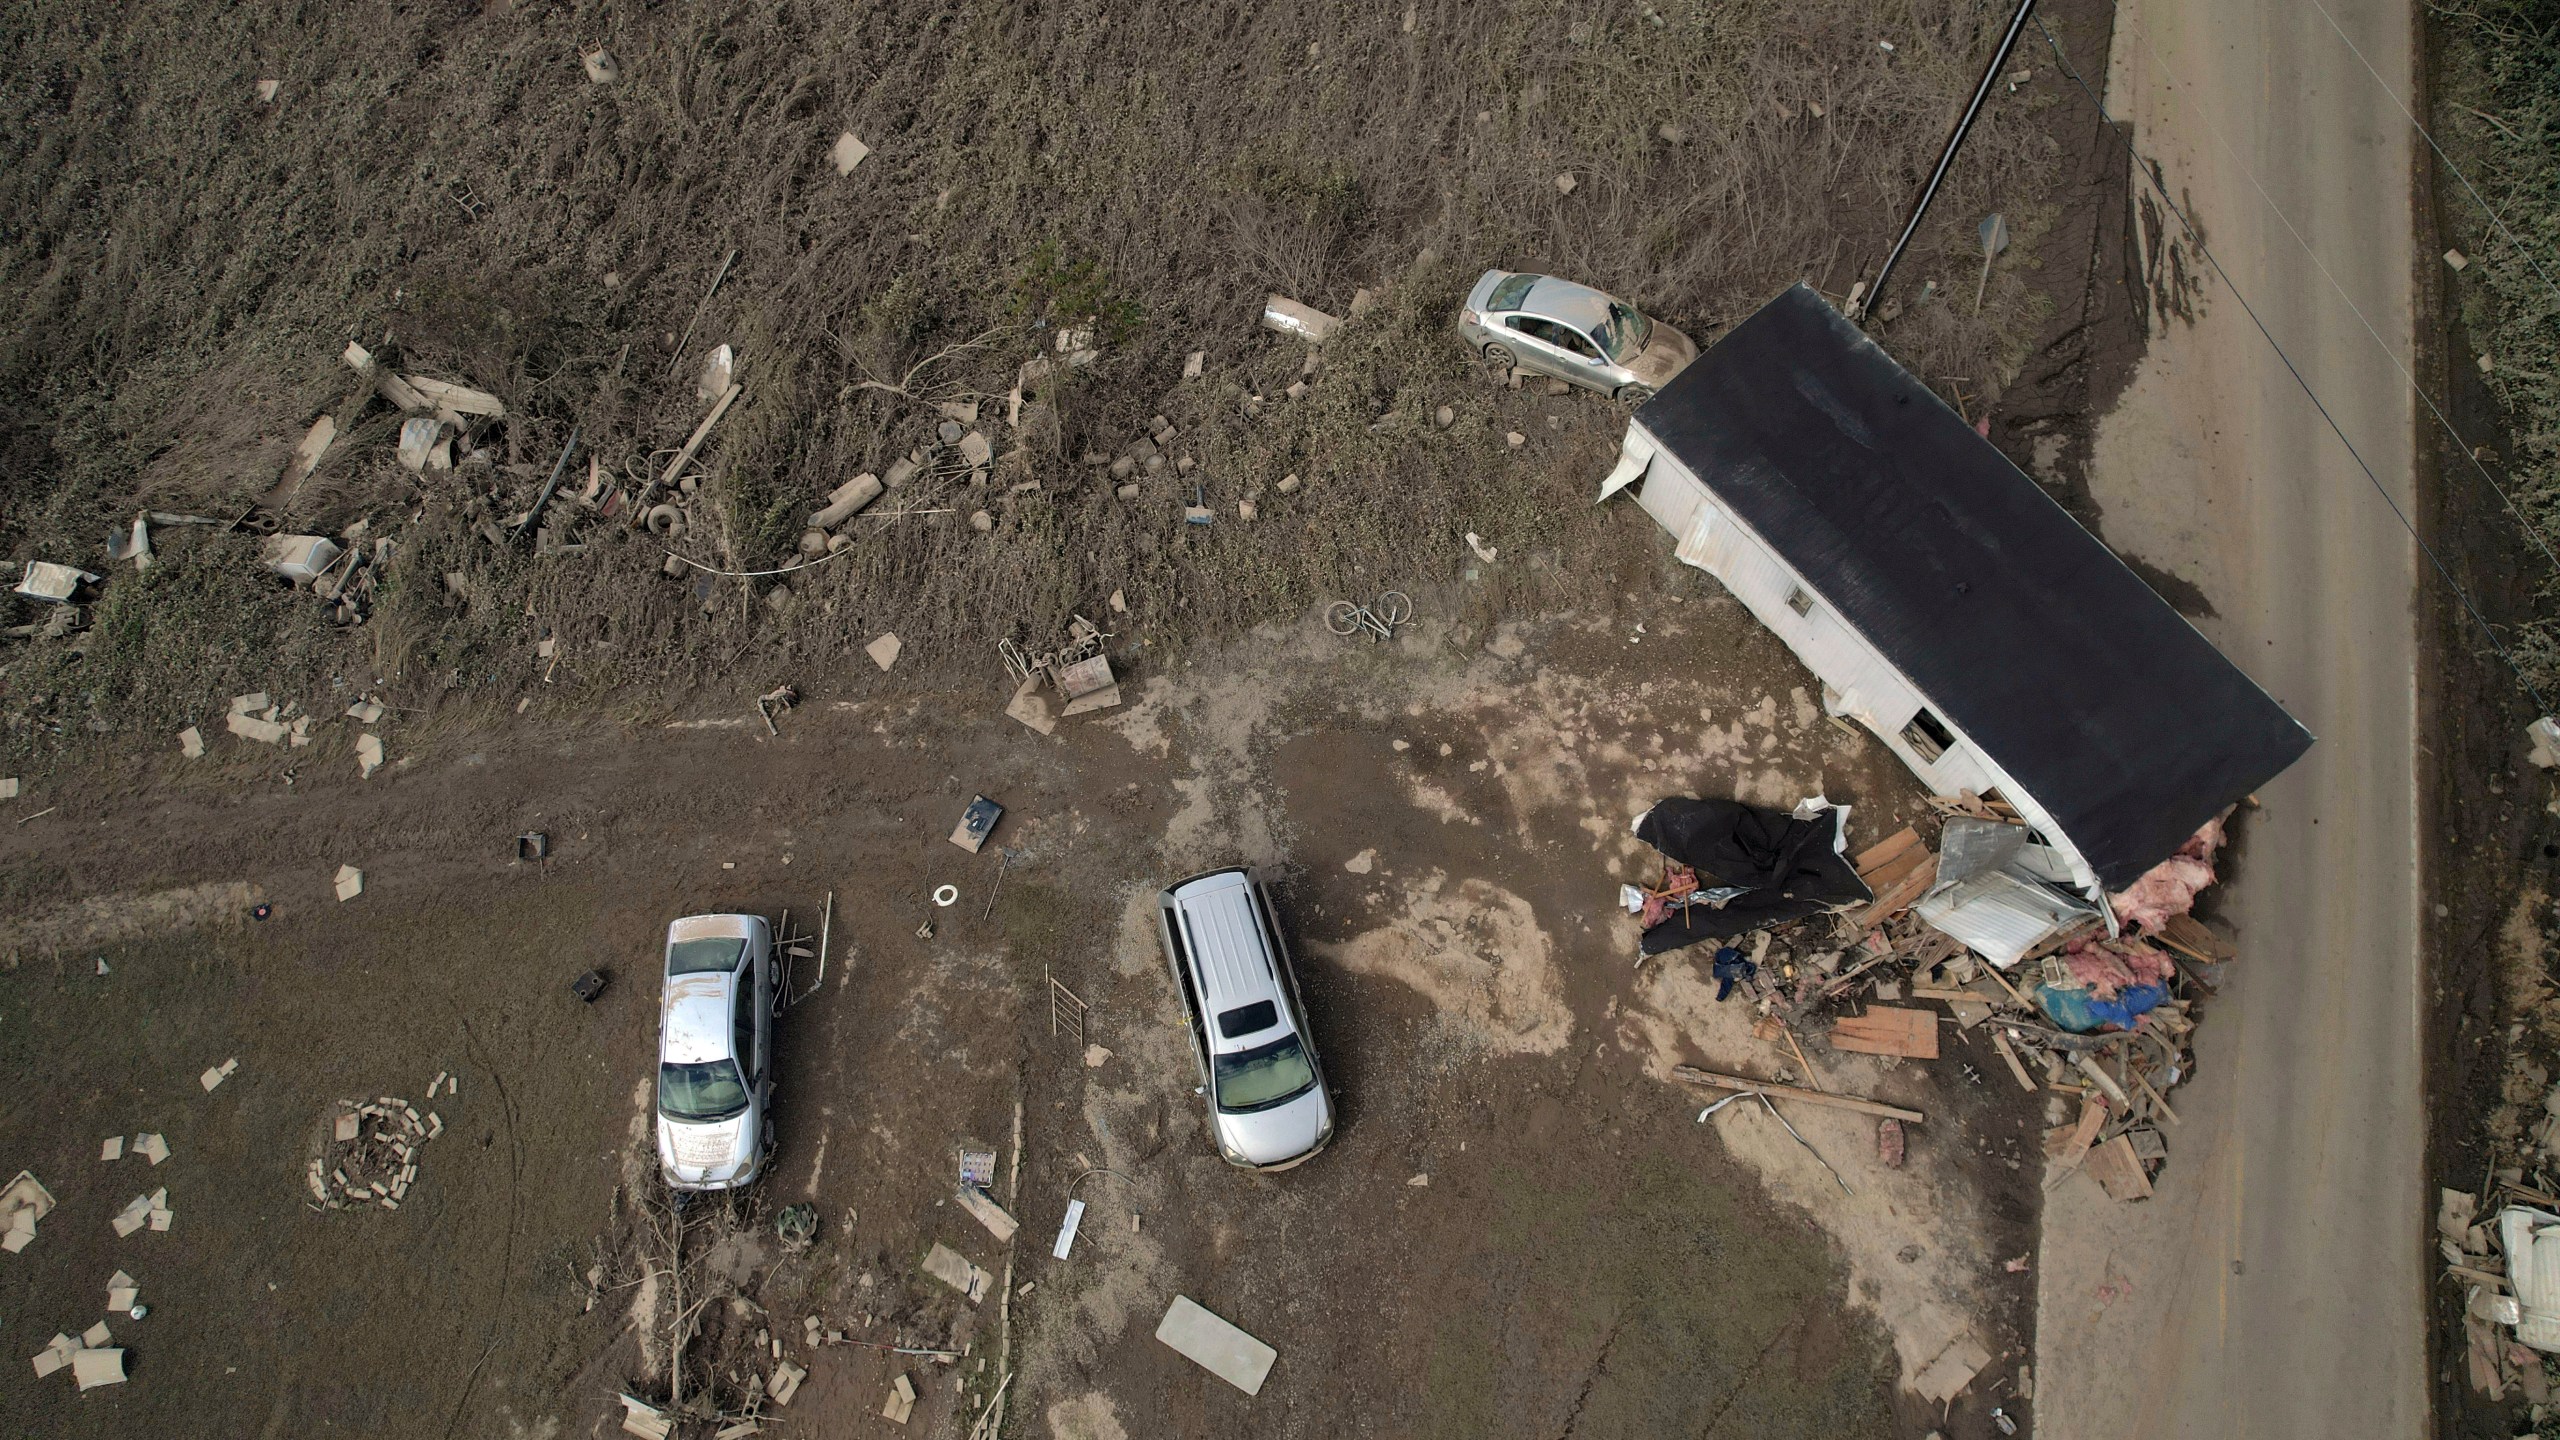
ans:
(1633, 395)
(1500, 359)
(1394, 608)
(1343, 618)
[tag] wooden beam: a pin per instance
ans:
(1748, 1086)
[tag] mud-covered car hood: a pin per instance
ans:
(720, 1152)
(1666, 355)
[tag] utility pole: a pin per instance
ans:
(1866, 304)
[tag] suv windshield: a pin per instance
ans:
(712, 1090)
(718, 955)
(1624, 333)
(1509, 291)
(1261, 1078)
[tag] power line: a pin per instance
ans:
(2531, 532)
(2193, 237)
(2467, 186)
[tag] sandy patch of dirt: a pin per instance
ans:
(104, 920)
(1476, 951)
(1086, 1417)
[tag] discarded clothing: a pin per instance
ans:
(2084, 1011)
(1732, 966)
(1785, 868)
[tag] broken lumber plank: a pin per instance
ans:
(1900, 897)
(2017, 1067)
(684, 457)
(987, 1213)
(1875, 856)
(2117, 1171)
(2192, 937)
(1692, 1075)
(1888, 1030)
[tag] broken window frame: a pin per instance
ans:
(1927, 735)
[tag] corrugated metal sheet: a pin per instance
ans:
(2000, 915)
(2531, 1239)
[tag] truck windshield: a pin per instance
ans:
(1260, 1078)
(712, 1090)
(717, 955)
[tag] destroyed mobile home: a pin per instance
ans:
(2086, 742)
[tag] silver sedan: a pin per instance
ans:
(1572, 332)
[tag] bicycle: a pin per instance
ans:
(1393, 609)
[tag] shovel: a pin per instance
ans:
(1995, 238)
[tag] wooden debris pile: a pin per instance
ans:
(1872, 980)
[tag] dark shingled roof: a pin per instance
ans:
(2016, 624)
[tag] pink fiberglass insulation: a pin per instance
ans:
(2169, 889)
(2106, 966)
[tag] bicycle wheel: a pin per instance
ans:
(1394, 608)
(1343, 618)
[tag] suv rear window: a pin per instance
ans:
(1248, 1019)
(1510, 290)
(715, 956)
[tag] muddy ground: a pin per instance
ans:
(1522, 1228)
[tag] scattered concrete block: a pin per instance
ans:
(786, 1381)
(349, 883)
(848, 153)
(1945, 1377)
(151, 1146)
(1218, 1347)
(215, 1075)
(1566, 184)
(602, 68)
(901, 1402)
(113, 1149)
(97, 1335)
(250, 727)
(368, 755)
(191, 743)
(1288, 317)
(1192, 363)
(1515, 439)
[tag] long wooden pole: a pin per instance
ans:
(1748, 1086)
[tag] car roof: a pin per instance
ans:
(715, 927)
(1577, 305)
(1231, 954)
(693, 1019)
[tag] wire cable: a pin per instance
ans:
(2531, 532)
(2467, 186)
(2195, 238)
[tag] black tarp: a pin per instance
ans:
(1788, 868)
(2015, 624)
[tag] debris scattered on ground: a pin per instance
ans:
(588, 986)
(1945, 1377)
(191, 743)
(22, 1204)
(93, 1366)
(884, 651)
(123, 1293)
(349, 883)
(113, 1149)
(848, 153)
(602, 67)
(371, 1155)
(368, 755)
(152, 1210)
(902, 1400)
(988, 1213)
(150, 1146)
(1216, 1346)
(644, 1420)
(217, 1074)
(953, 1269)
(1288, 317)
(976, 824)
(58, 584)
(1067, 1230)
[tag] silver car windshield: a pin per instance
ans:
(1624, 334)
(1260, 1078)
(717, 955)
(712, 1090)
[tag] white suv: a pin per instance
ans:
(715, 1052)
(1267, 1102)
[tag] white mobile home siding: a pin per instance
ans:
(1858, 683)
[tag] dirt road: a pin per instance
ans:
(2273, 1287)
